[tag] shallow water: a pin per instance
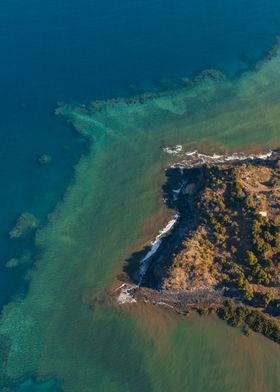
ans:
(54, 51)
(113, 205)
(98, 225)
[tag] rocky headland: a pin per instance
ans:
(221, 251)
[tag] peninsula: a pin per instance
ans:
(222, 253)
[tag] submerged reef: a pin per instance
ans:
(44, 159)
(14, 262)
(105, 216)
(234, 113)
(24, 224)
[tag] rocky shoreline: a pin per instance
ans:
(179, 301)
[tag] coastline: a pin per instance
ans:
(145, 285)
(62, 239)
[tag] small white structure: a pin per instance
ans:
(263, 213)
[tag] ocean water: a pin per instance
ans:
(77, 52)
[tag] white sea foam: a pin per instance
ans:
(190, 153)
(125, 295)
(145, 262)
(173, 150)
(196, 159)
(232, 157)
(177, 190)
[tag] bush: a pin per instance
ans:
(256, 320)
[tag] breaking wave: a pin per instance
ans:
(145, 262)
(195, 159)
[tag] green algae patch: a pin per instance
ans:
(116, 187)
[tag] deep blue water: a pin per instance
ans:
(54, 50)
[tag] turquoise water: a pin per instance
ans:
(79, 52)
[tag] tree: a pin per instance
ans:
(251, 258)
(267, 298)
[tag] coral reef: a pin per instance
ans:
(24, 223)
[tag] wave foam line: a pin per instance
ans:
(145, 262)
(194, 158)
